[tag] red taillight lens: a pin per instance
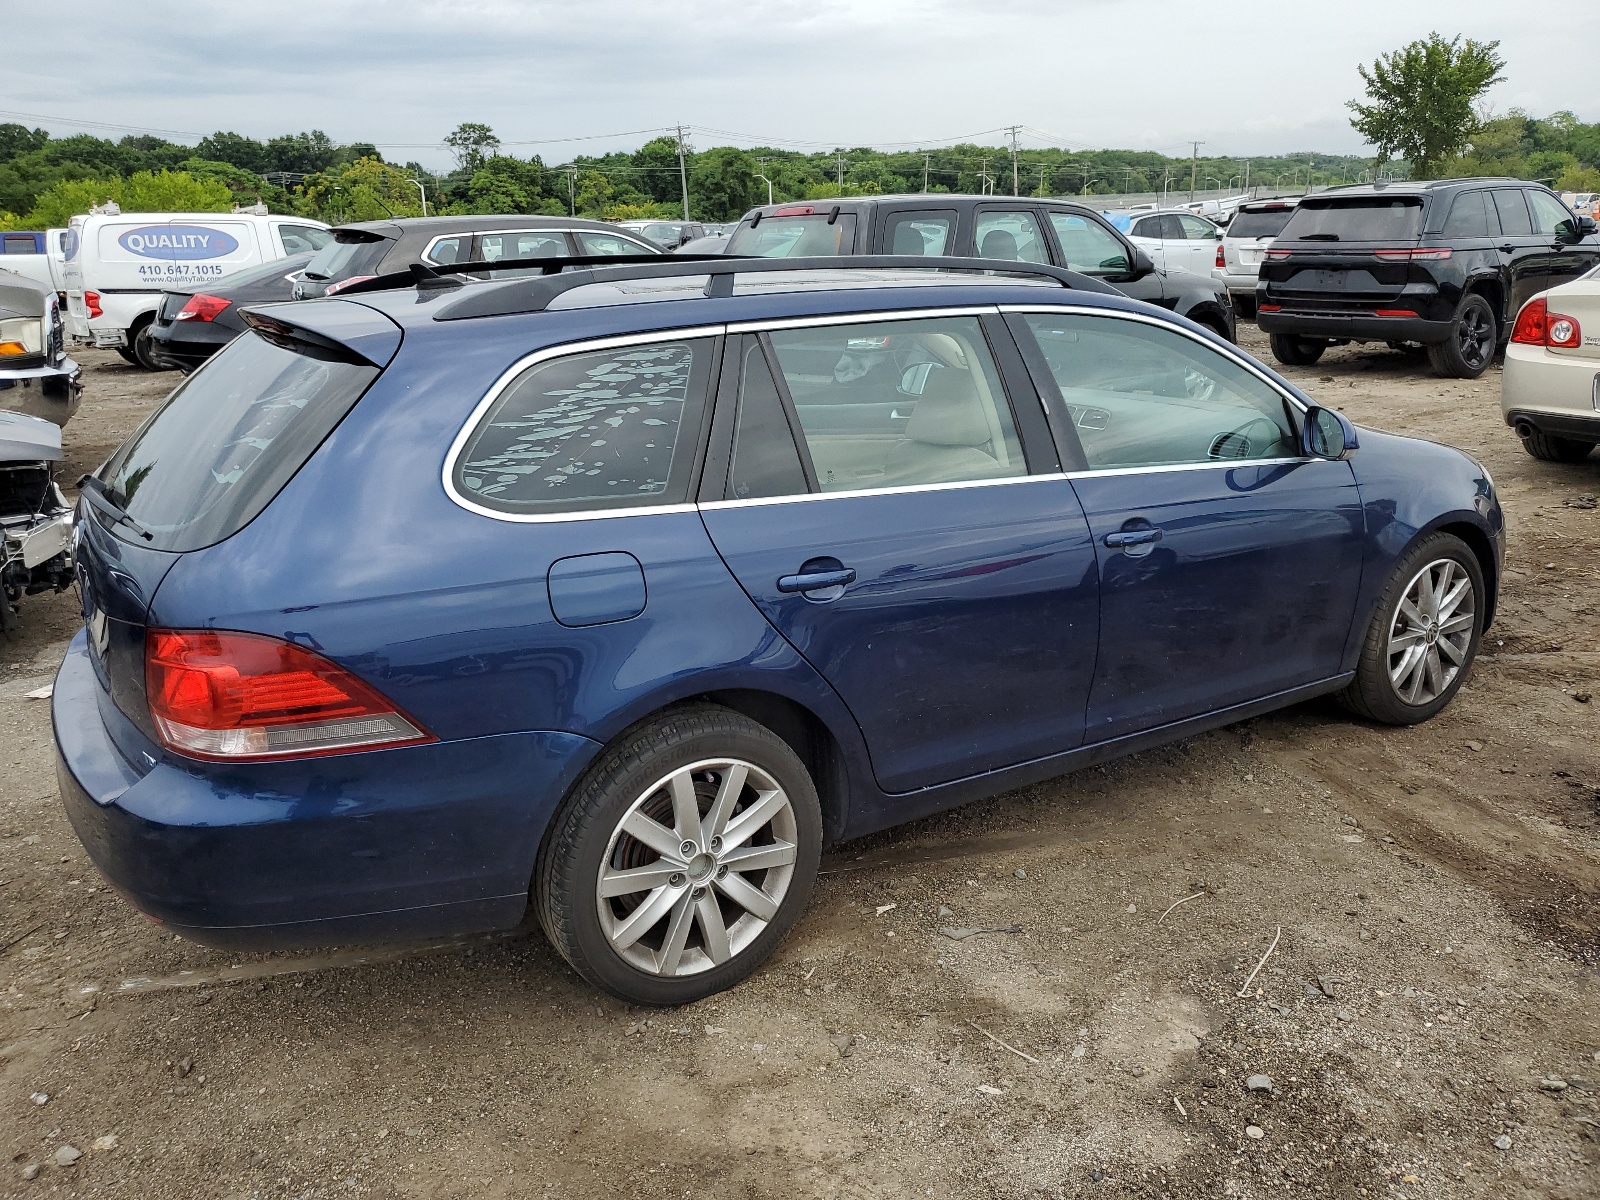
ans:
(1394, 312)
(240, 696)
(1222, 259)
(1532, 323)
(1273, 252)
(1269, 308)
(1422, 254)
(341, 284)
(202, 308)
(91, 301)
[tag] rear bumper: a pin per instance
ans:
(49, 392)
(1573, 426)
(392, 845)
(182, 355)
(1556, 393)
(1355, 327)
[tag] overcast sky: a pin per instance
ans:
(1245, 78)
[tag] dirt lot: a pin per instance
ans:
(1442, 882)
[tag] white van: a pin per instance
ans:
(118, 264)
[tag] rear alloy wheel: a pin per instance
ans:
(682, 859)
(1423, 636)
(1469, 349)
(1297, 351)
(1555, 449)
(140, 341)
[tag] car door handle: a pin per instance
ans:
(1132, 537)
(813, 581)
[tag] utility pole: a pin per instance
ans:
(839, 162)
(925, 159)
(983, 176)
(683, 174)
(1194, 165)
(1247, 177)
(1016, 183)
(572, 190)
(762, 175)
(1041, 180)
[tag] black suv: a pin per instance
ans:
(370, 248)
(1445, 263)
(1013, 228)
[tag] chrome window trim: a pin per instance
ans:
(507, 377)
(1229, 464)
(1232, 353)
(427, 251)
(904, 490)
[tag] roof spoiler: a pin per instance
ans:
(329, 329)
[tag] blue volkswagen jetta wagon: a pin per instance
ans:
(622, 590)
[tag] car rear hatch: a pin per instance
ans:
(202, 467)
(1250, 232)
(352, 255)
(1346, 253)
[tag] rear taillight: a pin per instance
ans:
(230, 697)
(202, 308)
(1538, 326)
(91, 301)
(1222, 259)
(1415, 254)
(341, 284)
(1274, 252)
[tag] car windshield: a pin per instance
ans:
(803, 235)
(1356, 219)
(346, 257)
(1266, 223)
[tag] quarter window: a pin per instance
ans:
(451, 250)
(1088, 246)
(610, 428)
(1142, 396)
(1012, 235)
(766, 461)
(918, 232)
(1467, 217)
(899, 403)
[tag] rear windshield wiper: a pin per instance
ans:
(1320, 237)
(96, 492)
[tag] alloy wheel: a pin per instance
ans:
(1475, 336)
(697, 867)
(1431, 632)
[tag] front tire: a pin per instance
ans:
(1547, 448)
(1297, 351)
(682, 858)
(1468, 351)
(1423, 637)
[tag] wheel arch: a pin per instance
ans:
(1492, 289)
(1482, 548)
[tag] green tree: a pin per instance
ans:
(472, 144)
(723, 185)
(19, 139)
(1421, 99)
(366, 190)
(656, 171)
(235, 149)
(141, 192)
(509, 185)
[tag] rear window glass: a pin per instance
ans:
(341, 259)
(228, 439)
(1268, 224)
(803, 236)
(1364, 219)
(608, 429)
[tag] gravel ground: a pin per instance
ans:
(1428, 1018)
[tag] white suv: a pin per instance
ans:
(1244, 243)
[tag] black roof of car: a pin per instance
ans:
(920, 199)
(1413, 187)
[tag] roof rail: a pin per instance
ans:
(561, 275)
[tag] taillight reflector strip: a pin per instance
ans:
(1396, 312)
(228, 696)
(1414, 254)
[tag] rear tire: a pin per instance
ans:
(1297, 351)
(1555, 449)
(1420, 645)
(127, 356)
(696, 922)
(1468, 351)
(139, 340)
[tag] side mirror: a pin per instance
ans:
(1328, 434)
(1142, 265)
(1587, 226)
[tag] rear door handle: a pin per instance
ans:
(1129, 537)
(813, 581)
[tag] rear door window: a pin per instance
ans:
(229, 438)
(1468, 217)
(1513, 212)
(1013, 235)
(898, 403)
(808, 234)
(1148, 227)
(1357, 219)
(918, 232)
(609, 243)
(615, 428)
